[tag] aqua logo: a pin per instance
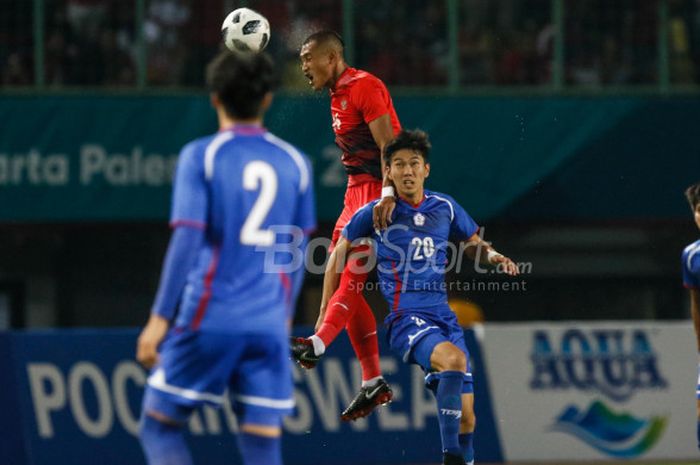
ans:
(615, 434)
(615, 363)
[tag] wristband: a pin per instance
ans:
(491, 253)
(387, 191)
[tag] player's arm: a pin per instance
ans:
(188, 218)
(359, 226)
(475, 248)
(179, 260)
(331, 277)
(383, 132)
(371, 97)
(482, 252)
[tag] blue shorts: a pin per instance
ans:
(697, 390)
(197, 367)
(413, 337)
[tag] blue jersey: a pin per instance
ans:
(412, 252)
(691, 266)
(243, 186)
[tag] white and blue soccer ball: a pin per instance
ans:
(245, 30)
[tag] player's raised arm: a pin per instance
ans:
(478, 249)
(383, 132)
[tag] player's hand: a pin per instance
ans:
(381, 213)
(149, 340)
(505, 264)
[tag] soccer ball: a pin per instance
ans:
(245, 30)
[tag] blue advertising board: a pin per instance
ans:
(69, 397)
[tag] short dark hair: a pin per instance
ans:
(241, 80)
(692, 193)
(324, 37)
(414, 139)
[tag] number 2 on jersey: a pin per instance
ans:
(259, 175)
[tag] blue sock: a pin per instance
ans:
(466, 442)
(449, 403)
(260, 450)
(163, 444)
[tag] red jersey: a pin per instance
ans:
(358, 99)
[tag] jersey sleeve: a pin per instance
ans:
(305, 217)
(361, 224)
(190, 200)
(371, 98)
(463, 226)
(691, 269)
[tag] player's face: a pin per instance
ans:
(408, 171)
(697, 215)
(317, 65)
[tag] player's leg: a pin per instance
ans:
(261, 388)
(347, 301)
(258, 443)
(468, 421)
(192, 371)
(349, 306)
(375, 390)
(361, 325)
(161, 430)
(420, 340)
(362, 331)
(466, 427)
(451, 365)
(308, 351)
(442, 353)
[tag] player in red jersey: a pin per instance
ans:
(364, 121)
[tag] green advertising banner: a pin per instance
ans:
(67, 158)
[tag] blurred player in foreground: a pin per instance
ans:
(364, 120)
(233, 191)
(691, 280)
(411, 259)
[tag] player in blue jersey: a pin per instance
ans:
(691, 280)
(411, 257)
(238, 194)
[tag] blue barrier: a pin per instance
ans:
(73, 397)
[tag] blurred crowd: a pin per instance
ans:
(500, 42)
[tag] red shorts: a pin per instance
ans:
(356, 196)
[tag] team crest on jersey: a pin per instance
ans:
(344, 104)
(418, 219)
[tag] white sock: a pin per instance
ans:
(319, 346)
(371, 382)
